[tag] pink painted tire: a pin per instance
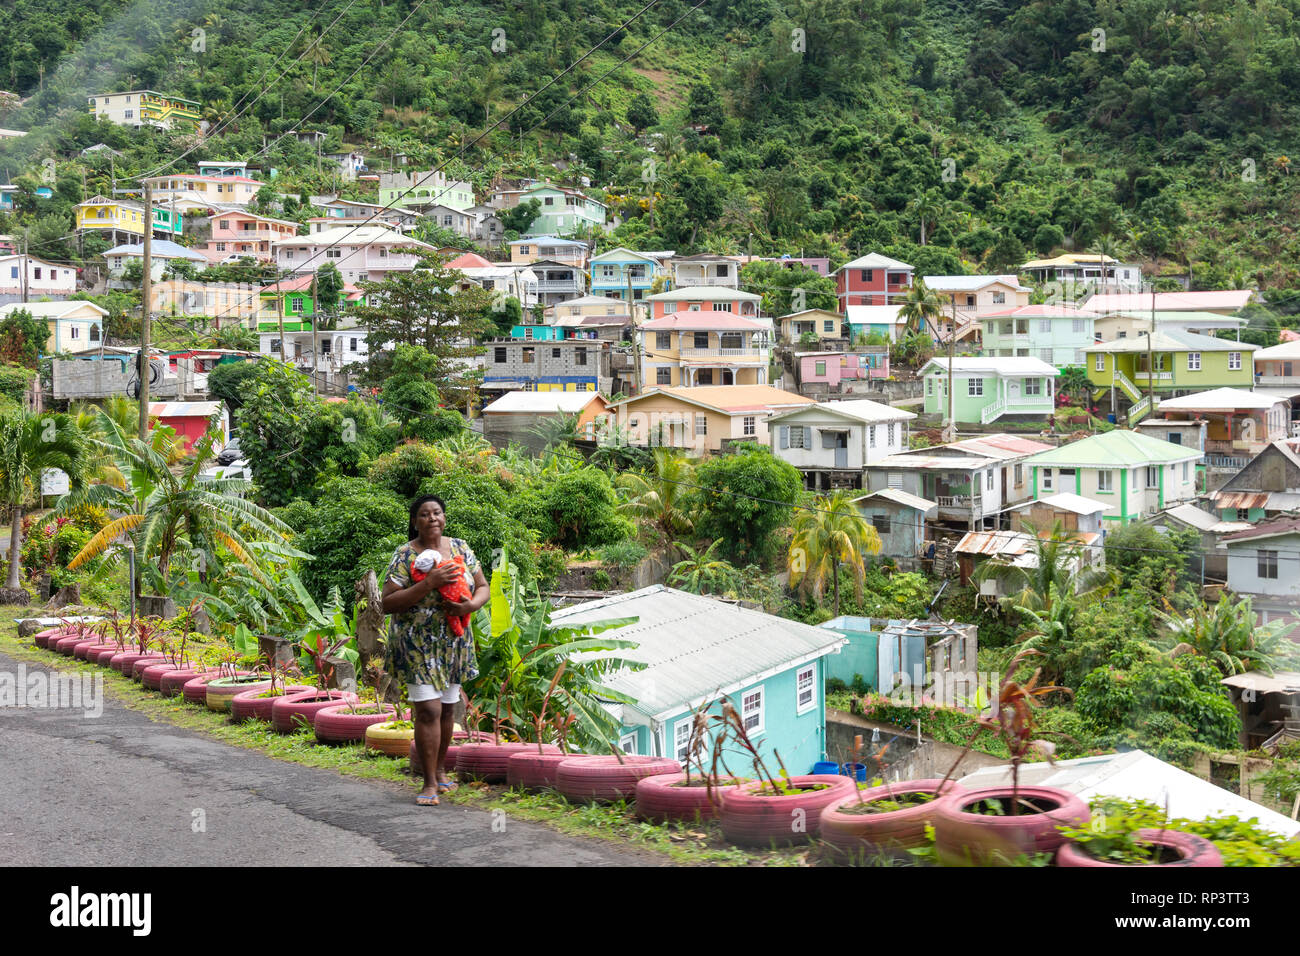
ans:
(123, 662)
(661, 798)
(250, 705)
(195, 690)
(608, 779)
(490, 762)
(1191, 849)
(151, 674)
(65, 645)
(172, 683)
(530, 770)
(42, 638)
(965, 838)
(102, 658)
(339, 725)
(859, 836)
(83, 651)
(449, 759)
(138, 668)
(749, 818)
(291, 712)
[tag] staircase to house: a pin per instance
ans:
(943, 558)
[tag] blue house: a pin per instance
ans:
(7, 193)
(537, 333)
(699, 649)
(614, 271)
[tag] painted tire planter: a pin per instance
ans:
(390, 741)
(291, 711)
(124, 662)
(608, 779)
(340, 725)
(661, 798)
(83, 651)
(530, 770)
(65, 644)
(102, 658)
(172, 683)
(195, 690)
(138, 668)
(750, 818)
(151, 674)
(964, 837)
(42, 638)
(449, 759)
(853, 835)
(222, 690)
(250, 705)
(1191, 850)
(490, 762)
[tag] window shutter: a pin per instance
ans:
(785, 436)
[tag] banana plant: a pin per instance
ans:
(326, 633)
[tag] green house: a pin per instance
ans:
(1179, 363)
(985, 389)
(697, 650)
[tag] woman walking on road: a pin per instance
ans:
(423, 650)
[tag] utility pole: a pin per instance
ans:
(1151, 395)
(146, 293)
(950, 429)
(24, 268)
(636, 336)
(315, 345)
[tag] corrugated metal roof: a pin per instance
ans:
(542, 403)
(184, 409)
(1241, 499)
(913, 460)
(1001, 446)
(695, 646)
(1005, 543)
(1069, 501)
(1220, 399)
(1231, 299)
(1267, 529)
(924, 505)
(1116, 449)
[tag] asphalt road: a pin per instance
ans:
(121, 790)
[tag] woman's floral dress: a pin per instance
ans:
(421, 648)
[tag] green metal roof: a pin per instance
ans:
(1116, 449)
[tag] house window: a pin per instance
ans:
(751, 710)
(1019, 475)
(701, 340)
(1184, 471)
(498, 354)
(1047, 479)
(929, 386)
(1105, 481)
(828, 325)
(889, 434)
(669, 308)
(627, 744)
(38, 272)
(1078, 326)
(1044, 325)
(555, 353)
(871, 436)
(663, 376)
(275, 345)
(1243, 514)
(701, 424)
(337, 253)
(1100, 363)
(999, 298)
(988, 480)
(295, 305)
(579, 356)
(867, 275)
(880, 523)
(523, 250)
(1033, 386)
(663, 340)
(352, 345)
(1193, 361)
(1153, 476)
(1234, 361)
(1266, 564)
(682, 739)
(794, 436)
(805, 689)
(75, 332)
(529, 356)
(974, 387)
(819, 368)
(749, 425)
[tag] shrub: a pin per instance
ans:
(600, 580)
(575, 510)
(623, 554)
(349, 522)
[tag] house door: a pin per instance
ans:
(1004, 487)
(841, 450)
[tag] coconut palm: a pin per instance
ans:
(831, 534)
(1055, 575)
(164, 510)
(921, 305)
(1230, 637)
(30, 444)
(700, 572)
(927, 207)
(658, 498)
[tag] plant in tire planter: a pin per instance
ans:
(195, 690)
(679, 796)
(1145, 847)
(171, 683)
(293, 712)
(883, 819)
(393, 738)
(146, 634)
(222, 691)
(994, 825)
(256, 704)
(347, 723)
(490, 762)
(458, 740)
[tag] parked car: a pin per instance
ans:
(230, 454)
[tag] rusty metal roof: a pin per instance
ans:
(1006, 543)
(1241, 499)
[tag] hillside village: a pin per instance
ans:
(854, 496)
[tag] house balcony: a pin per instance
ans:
(1284, 381)
(559, 285)
(725, 282)
(754, 355)
(1158, 379)
(960, 502)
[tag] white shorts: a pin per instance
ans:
(418, 693)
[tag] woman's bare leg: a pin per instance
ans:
(430, 742)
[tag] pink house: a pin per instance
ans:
(831, 368)
(236, 234)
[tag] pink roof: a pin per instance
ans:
(469, 260)
(303, 284)
(1288, 335)
(1170, 301)
(1042, 312)
(703, 319)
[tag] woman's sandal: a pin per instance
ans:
(426, 800)
(446, 787)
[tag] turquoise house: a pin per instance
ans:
(699, 650)
(537, 333)
(615, 271)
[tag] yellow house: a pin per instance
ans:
(122, 218)
(699, 347)
(966, 298)
(74, 325)
(704, 418)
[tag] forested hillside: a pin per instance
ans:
(956, 136)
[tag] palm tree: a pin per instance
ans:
(921, 305)
(317, 56)
(1055, 574)
(702, 573)
(1074, 384)
(658, 499)
(30, 444)
(556, 430)
(927, 207)
(163, 510)
(1230, 637)
(826, 536)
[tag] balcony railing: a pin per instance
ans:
(724, 353)
(957, 501)
(1143, 377)
(729, 281)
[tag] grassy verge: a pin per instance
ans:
(684, 844)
